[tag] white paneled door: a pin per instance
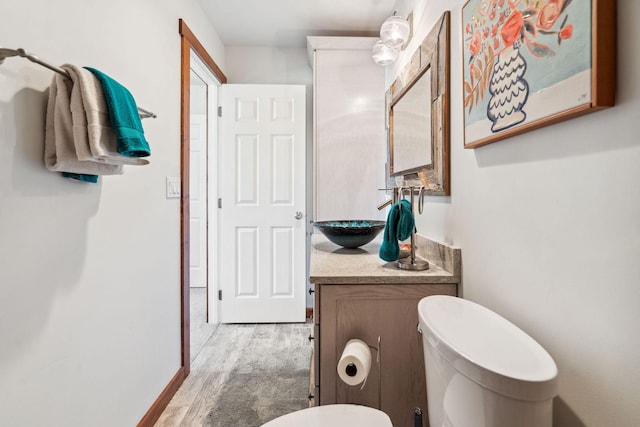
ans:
(198, 200)
(262, 214)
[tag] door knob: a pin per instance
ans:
(298, 215)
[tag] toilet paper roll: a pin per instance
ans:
(355, 363)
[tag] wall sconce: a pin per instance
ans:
(383, 54)
(395, 31)
(394, 34)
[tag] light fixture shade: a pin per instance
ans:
(395, 31)
(383, 54)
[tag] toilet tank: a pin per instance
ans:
(482, 370)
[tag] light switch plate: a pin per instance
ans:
(173, 187)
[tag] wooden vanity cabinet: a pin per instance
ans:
(366, 311)
(357, 295)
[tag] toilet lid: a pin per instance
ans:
(333, 415)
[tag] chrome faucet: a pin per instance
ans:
(385, 204)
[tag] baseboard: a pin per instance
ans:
(162, 401)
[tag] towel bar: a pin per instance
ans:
(7, 53)
(411, 263)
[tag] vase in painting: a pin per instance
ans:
(509, 90)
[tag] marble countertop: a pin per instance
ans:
(331, 263)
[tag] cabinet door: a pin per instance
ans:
(365, 312)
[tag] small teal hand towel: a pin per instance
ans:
(123, 116)
(81, 177)
(399, 226)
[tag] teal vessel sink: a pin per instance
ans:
(350, 234)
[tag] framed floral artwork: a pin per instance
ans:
(532, 63)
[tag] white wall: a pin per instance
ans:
(90, 274)
(267, 65)
(549, 226)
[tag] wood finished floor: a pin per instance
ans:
(215, 350)
(209, 372)
(201, 331)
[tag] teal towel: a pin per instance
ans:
(123, 116)
(399, 226)
(81, 177)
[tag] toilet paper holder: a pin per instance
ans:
(352, 367)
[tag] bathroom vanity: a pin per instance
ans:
(358, 295)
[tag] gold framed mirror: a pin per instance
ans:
(418, 115)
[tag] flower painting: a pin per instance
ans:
(524, 61)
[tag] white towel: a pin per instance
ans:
(95, 139)
(59, 147)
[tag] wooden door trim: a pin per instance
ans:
(188, 42)
(163, 400)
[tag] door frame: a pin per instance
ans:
(199, 69)
(188, 43)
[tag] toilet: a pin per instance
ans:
(337, 415)
(481, 371)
